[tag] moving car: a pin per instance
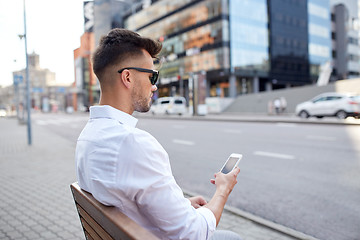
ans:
(330, 104)
(169, 105)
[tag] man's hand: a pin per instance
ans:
(197, 201)
(224, 185)
(226, 181)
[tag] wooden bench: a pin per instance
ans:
(103, 222)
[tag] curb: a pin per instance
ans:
(252, 119)
(269, 224)
(261, 221)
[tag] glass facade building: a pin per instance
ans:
(319, 30)
(195, 37)
(288, 43)
(249, 43)
(345, 39)
(240, 46)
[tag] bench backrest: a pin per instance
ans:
(103, 222)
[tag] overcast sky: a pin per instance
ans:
(54, 29)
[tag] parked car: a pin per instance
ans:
(3, 112)
(330, 105)
(169, 105)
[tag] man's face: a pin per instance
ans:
(143, 89)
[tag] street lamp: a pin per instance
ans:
(28, 103)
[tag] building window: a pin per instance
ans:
(333, 35)
(354, 41)
(334, 54)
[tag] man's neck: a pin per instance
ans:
(118, 104)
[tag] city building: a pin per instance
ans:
(85, 89)
(319, 42)
(239, 47)
(225, 48)
(7, 101)
(45, 94)
(345, 39)
(99, 17)
(289, 55)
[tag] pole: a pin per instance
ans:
(195, 79)
(17, 100)
(90, 82)
(181, 83)
(28, 103)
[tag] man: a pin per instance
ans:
(126, 167)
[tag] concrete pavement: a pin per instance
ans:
(35, 198)
(256, 117)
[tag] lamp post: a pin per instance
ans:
(28, 103)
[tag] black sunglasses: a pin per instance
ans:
(153, 78)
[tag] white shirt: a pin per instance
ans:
(126, 167)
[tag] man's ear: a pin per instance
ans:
(125, 78)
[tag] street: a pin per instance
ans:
(302, 176)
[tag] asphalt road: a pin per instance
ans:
(302, 176)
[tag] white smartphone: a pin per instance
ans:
(231, 163)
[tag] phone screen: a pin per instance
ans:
(229, 165)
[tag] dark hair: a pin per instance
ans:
(118, 45)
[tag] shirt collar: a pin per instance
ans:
(106, 111)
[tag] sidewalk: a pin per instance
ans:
(256, 118)
(35, 197)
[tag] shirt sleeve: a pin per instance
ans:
(158, 196)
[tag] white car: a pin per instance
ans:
(169, 105)
(330, 104)
(2, 113)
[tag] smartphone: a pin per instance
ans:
(231, 163)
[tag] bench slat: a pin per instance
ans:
(87, 235)
(111, 219)
(94, 225)
(89, 230)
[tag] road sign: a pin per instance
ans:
(18, 79)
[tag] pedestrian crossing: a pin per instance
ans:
(71, 121)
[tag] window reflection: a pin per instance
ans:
(153, 12)
(249, 35)
(177, 21)
(194, 39)
(319, 35)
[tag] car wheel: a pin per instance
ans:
(341, 114)
(304, 114)
(319, 116)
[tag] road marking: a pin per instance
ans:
(41, 122)
(274, 155)
(54, 122)
(183, 142)
(178, 126)
(321, 138)
(280, 124)
(232, 131)
(65, 120)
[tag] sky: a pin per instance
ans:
(54, 29)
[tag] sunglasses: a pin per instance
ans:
(153, 78)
